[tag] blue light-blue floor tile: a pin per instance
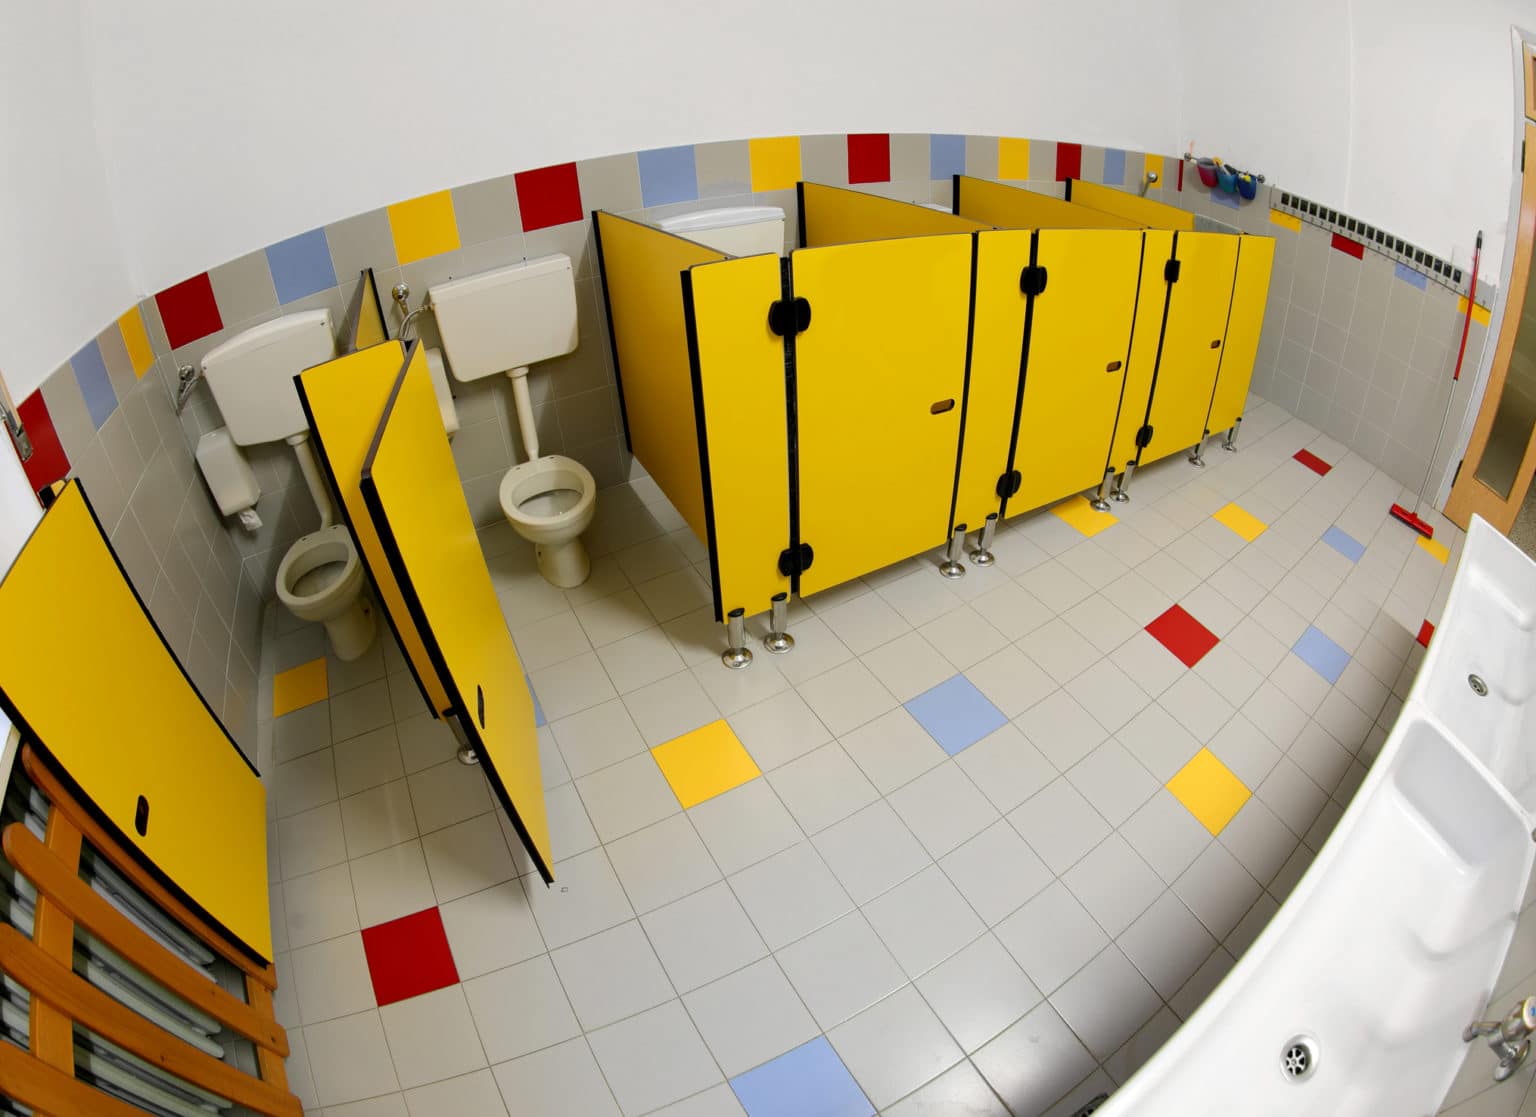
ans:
(1344, 543)
(538, 711)
(1321, 654)
(956, 714)
(809, 1081)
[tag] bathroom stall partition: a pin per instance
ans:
(343, 400)
(1144, 211)
(835, 215)
(411, 488)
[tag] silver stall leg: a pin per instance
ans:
(1230, 442)
(466, 753)
(952, 567)
(1120, 496)
(1197, 453)
(1100, 501)
(736, 655)
(982, 555)
(778, 641)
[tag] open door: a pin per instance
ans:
(1496, 473)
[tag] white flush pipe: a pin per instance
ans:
(311, 470)
(524, 406)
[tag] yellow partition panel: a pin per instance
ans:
(833, 215)
(1144, 211)
(997, 353)
(418, 509)
(641, 271)
(368, 326)
(1013, 207)
(742, 415)
(1193, 330)
(1250, 293)
(1079, 346)
(880, 388)
(343, 401)
(85, 674)
(1146, 343)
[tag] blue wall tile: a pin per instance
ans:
(946, 156)
(667, 175)
(1222, 198)
(301, 266)
(95, 384)
(1408, 275)
(1114, 166)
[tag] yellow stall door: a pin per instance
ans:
(85, 674)
(1146, 340)
(417, 506)
(742, 414)
(880, 383)
(1079, 344)
(1250, 293)
(1193, 331)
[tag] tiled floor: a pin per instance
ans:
(972, 847)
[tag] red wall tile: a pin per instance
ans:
(548, 196)
(1348, 247)
(189, 311)
(48, 463)
(869, 157)
(409, 956)
(1069, 161)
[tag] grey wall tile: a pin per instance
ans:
(981, 156)
(359, 242)
(66, 407)
(486, 210)
(573, 239)
(824, 159)
(723, 168)
(909, 156)
(114, 354)
(611, 182)
(243, 288)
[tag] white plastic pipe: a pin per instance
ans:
(524, 406)
(311, 470)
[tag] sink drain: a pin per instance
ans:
(1479, 687)
(1298, 1059)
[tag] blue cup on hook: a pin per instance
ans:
(1226, 178)
(1247, 186)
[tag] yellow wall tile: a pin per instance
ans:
(1150, 162)
(1285, 220)
(424, 226)
(1012, 158)
(705, 763)
(775, 162)
(298, 687)
(1480, 314)
(136, 338)
(1209, 790)
(1240, 520)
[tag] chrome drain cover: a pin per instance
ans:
(1298, 1058)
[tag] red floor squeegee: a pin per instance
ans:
(1413, 519)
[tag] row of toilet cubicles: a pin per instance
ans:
(905, 374)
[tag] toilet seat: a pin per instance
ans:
(528, 481)
(321, 579)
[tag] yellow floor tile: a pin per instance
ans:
(1209, 790)
(1076, 511)
(1240, 520)
(298, 687)
(1439, 550)
(705, 763)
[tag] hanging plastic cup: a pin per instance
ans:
(1207, 169)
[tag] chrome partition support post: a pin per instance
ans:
(982, 555)
(736, 655)
(1100, 501)
(466, 753)
(779, 641)
(952, 567)
(1230, 442)
(1197, 453)
(1120, 496)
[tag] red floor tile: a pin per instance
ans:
(1313, 462)
(409, 956)
(1182, 635)
(1426, 630)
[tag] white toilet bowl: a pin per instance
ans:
(321, 579)
(549, 502)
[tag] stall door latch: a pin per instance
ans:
(1144, 437)
(1171, 271)
(794, 561)
(1009, 484)
(1032, 279)
(787, 317)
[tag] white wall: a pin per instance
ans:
(227, 127)
(62, 276)
(1395, 111)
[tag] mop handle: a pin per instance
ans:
(1466, 326)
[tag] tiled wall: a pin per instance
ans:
(1351, 344)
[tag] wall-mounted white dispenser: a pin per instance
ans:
(229, 476)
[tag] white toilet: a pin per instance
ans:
(503, 321)
(251, 378)
(737, 230)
